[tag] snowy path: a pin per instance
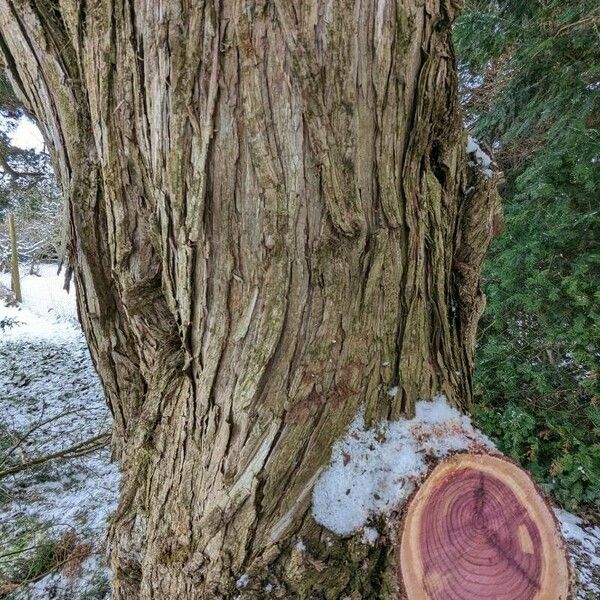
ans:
(47, 381)
(48, 386)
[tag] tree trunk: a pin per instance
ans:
(272, 223)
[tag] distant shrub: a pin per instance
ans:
(7, 323)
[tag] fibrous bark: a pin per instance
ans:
(479, 528)
(271, 223)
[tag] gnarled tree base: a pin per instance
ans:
(479, 528)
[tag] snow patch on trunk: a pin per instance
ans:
(481, 158)
(373, 471)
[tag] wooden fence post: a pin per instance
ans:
(14, 259)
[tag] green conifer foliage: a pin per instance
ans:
(24, 173)
(531, 80)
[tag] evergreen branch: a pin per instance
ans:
(13, 172)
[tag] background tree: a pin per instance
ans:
(271, 223)
(19, 169)
(531, 76)
(27, 188)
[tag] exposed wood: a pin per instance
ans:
(479, 528)
(15, 279)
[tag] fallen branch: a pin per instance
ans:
(33, 429)
(80, 449)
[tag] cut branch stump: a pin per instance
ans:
(479, 528)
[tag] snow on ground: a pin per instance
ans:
(49, 388)
(47, 311)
